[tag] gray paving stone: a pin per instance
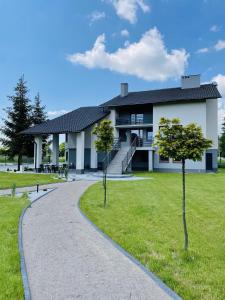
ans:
(68, 259)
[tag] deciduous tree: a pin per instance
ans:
(181, 142)
(104, 142)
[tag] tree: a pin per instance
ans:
(181, 143)
(222, 140)
(104, 142)
(18, 119)
(62, 150)
(39, 116)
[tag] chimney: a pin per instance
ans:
(124, 90)
(190, 81)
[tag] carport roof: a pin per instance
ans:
(74, 121)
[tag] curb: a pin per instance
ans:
(23, 268)
(156, 279)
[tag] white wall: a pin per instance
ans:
(212, 121)
(112, 117)
(188, 113)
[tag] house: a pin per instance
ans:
(135, 117)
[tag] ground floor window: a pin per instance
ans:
(163, 159)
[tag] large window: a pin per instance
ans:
(137, 118)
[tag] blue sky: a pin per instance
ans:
(76, 53)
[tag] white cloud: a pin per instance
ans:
(220, 45)
(147, 59)
(203, 50)
(124, 33)
(214, 28)
(127, 9)
(126, 44)
(220, 79)
(56, 113)
(96, 16)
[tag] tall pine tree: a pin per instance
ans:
(39, 116)
(19, 118)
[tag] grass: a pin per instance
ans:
(8, 179)
(144, 217)
(10, 277)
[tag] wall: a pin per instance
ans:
(188, 113)
(212, 121)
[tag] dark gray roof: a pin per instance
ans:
(205, 91)
(74, 121)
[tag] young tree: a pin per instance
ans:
(104, 142)
(180, 143)
(18, 119)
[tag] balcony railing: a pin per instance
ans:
(122, 121)
(144, 143)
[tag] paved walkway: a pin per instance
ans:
(68, 259)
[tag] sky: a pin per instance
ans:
(76, 53)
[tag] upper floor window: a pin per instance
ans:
(137, 118)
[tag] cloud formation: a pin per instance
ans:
(127, 9)
(214, 28)
(124, 33)
(96, 16)
(220, 45)
(56, 113)
(220, 79)
(147, 59)
(203, 50)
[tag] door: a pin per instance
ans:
(209, 162)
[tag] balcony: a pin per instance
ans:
(144, 143)
(128, 122)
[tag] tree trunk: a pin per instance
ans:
(184, 207)
(105, 186)
(19, 162)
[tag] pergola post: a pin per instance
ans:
(55, 149)
(37, 151)
(94, 155)
(80, 152)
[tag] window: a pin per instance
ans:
(66, 137)
(137, 118)
(163, 159)
(149, 135)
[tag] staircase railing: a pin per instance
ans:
(129, 155)
(110, 155)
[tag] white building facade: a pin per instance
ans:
(135, 117)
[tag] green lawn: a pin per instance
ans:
(8, 179)
(10, 277)
(144, 217)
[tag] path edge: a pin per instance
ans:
(155, 278)
(23, 267)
